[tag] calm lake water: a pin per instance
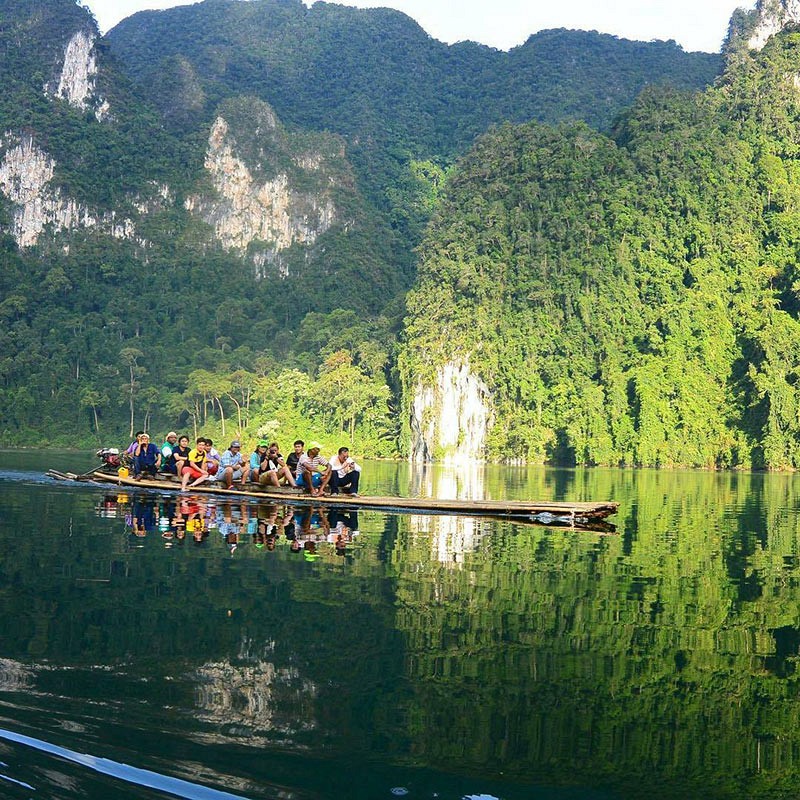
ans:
(209, 649)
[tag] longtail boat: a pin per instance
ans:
(545, 512)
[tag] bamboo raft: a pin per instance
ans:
(573, 514)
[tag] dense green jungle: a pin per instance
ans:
(613, 255)
(633, 297)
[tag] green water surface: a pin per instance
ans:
(150, 648)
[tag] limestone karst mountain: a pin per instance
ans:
(267, 166)
(623, 299)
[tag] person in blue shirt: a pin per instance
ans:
(146, 458)
(232, 466)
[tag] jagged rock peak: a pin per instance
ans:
(76, 82)
(772, 17)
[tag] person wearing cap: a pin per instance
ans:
(258, 459)
(232, 466)
(310, 474)
(170, 443)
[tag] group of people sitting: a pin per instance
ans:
(305, 469)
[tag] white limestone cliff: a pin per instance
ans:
(245, 210)
(26, 175)
(76, 81)
(773, 17)
(451, 418)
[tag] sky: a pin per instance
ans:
(694, 24)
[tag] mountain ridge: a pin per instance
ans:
(130, 307)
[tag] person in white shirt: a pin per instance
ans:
(345, 473)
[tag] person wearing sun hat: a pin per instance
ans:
(170, 443)
(313, 470)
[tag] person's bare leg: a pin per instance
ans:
(268, 478)
(325, 478)
(287, 473)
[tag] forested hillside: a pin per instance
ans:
(375, 77)
(623, 299)
(209, 218)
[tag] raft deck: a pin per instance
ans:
(574, 513)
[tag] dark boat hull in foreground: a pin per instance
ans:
(576, 514)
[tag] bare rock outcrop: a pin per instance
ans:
(451, 418)
(773, 16)
(76, 82)
(267, 208)
(26, 179)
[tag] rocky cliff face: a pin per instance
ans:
(272, 213)
(773, 17)
(451, 418)
(26, 175)
(76, 81)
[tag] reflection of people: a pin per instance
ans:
(314, 524)
(310, 551)
(344, 525)
(345, 473)
(294, 543)
(143, 518)
(192, 511)
(343, 518)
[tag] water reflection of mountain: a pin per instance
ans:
(664, 658)
(451, 537)
(254, 700)
(14, 675)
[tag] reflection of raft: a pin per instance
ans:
(578, 514)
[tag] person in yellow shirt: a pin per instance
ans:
(195, 468)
